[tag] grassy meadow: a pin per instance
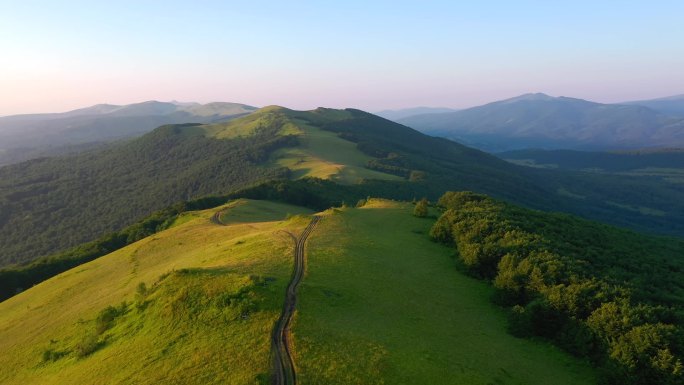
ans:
(210, 297)
(195, 304)
(382, 304)
(323, 154)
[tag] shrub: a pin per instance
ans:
(421, 209)
(88, 345)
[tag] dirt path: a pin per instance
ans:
(283, 363)
(216, 218)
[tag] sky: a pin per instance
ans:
(374, 55)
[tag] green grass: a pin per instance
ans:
(321, 153)
(212, 296)
(325, 155)
(380, 303)
(247, 125)
(247, 211)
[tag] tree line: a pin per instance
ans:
(613, 296)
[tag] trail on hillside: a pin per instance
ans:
(283, 364)
(216, 218)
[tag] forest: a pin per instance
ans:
(51, 204)
(611, 295)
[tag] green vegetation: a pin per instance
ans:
(48, 206)
(51, 204)
(245, 211)
(323, 154)
(421, 209)
(380, 303)
(611, 295)
(194, 304)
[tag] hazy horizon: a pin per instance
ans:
(385, 55)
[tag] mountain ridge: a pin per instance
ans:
(539, 120)
(28, 136)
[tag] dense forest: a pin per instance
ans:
(608, 294)
(52, 204)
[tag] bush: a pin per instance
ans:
(87, 346)
(421, 209)
(105, 319)
(51, 355)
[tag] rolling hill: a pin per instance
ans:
(378, 303)
(542, 121)
(196, 304)
(24, 137)
(50, 205)
(672, 105)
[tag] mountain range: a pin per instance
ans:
(24, 137)
(542, 121)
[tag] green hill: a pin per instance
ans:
(195, 304)
(50, 205)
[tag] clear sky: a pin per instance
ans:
(60, 55)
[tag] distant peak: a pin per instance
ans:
(531, 97)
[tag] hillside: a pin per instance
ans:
(24, 137)
(542, 121)
(672, 105)
(85, 196)
(51, 204)
(195, 304)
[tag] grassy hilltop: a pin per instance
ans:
(380, 303)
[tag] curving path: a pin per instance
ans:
(283, 364)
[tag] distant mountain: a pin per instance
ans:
(672, 105)
(406, 112)
(542, 121)
(24, 137)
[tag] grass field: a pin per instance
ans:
(381, 304)
(320, 154)
(245, 211)
(323, 154)
(212, 294)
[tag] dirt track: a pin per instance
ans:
(283, 364)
